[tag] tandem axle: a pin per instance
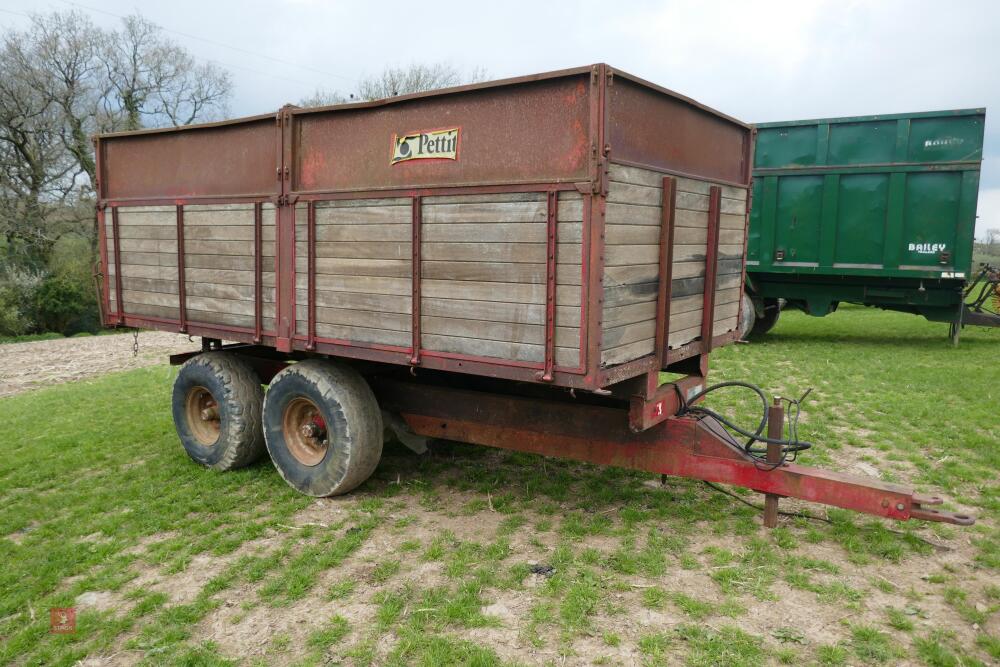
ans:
(320, 414)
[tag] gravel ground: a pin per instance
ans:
(27, 366)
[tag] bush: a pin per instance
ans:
(17, 288)
(65, 304)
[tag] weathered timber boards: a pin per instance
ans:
(218, 261)
(631, 275)
(482, 272)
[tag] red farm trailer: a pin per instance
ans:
(510, 264)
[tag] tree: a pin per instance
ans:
(64, 79)
(992, 237)
(395, 81)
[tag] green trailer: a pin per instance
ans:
(873, 210)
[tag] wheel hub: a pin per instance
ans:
(305, 431)
(203, 417)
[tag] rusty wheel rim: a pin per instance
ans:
(203, 416)
(305, 431)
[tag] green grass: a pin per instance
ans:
(97, 492)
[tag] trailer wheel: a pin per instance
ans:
(747, 317)
(323, 427)
(217, 400)
(766, 322)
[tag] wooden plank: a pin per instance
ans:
(389, 268)
(510, 332)
(466, 213)
(373, 233)
(148, 298)
(683, 337)
(625, 295)
(364, 318)
(729, 295)
(355, 301)
(566, 274)
(686, 218)
(685, 304)
(139, 309)
(730, 221)
(352, 250)
(225, 262)
(625, 193)
(149, 258)
(232, 306)
(147, 245)
(241, 248)
(628, 333)
(145, 271)
(501, 350)
(630, 274)
(624, 255)
(358, 334)
(161, 216)
(226, 233)
(196, 216)
(362, 215)
(360, 284)
(145, 231)
(227, 319)
(636, 312)
(632, 235)
(566, 295)
(734, 206)
(692, 318)
(485, 252)
(624, 353)
(692, 202)
(491, 233)
(569, 209)
(221, 276)
(632, 214)
(687, 286)
(518, 313)
(728, 324)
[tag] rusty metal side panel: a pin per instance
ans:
(646, 127)
(231, 160)
(530, 132)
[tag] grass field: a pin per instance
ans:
(444, 559)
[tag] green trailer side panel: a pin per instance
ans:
(878, 196)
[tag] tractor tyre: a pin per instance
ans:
(323, 427)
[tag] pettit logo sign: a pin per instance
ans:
(429, 145)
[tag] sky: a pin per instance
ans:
(757, 61)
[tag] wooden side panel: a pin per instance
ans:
(483, 267)
(631, 274)
(148, 246)
(218, 260)
(363, 270)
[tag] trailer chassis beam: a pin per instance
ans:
(599, 434)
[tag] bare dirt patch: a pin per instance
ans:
(27, 366)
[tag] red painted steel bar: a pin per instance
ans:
(311, 278)
(258, 272)
(669, 205)
(416, 242)
(711, 268)
(680, 446)
(550, 283)
(119, 305)
(181, 275)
